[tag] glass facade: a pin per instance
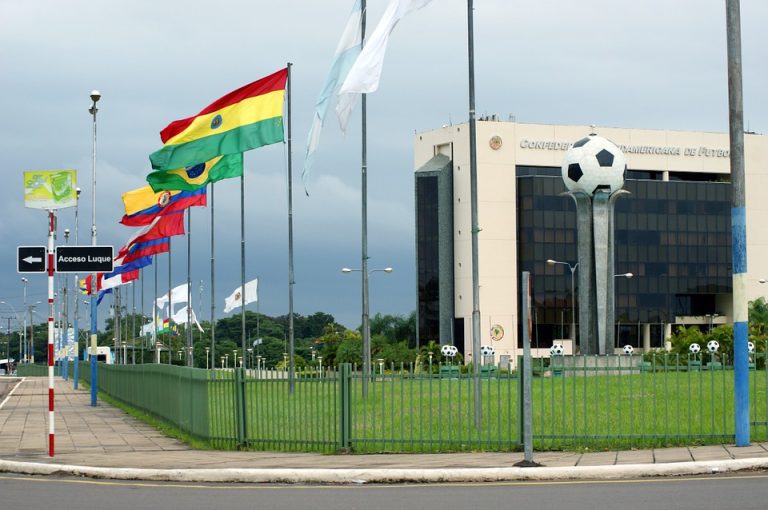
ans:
(674, 236)
(427, 250)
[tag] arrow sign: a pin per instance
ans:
(31, 259)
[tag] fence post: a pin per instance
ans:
(345, 406)
(240, 407)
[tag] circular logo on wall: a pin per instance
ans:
(497, 332)
(495, 142)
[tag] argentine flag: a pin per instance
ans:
(347, 52)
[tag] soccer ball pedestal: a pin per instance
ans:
(593, 172)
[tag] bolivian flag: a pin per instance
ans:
(247, 118)
(195, 177)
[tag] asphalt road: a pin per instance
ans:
(721, 492)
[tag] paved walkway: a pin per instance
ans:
(103, 441)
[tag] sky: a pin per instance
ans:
(653, 65)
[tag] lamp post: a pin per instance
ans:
(712, 317)
(573, 295)
(76, 324)
(207, 352)
(95, 96)
(366, 326)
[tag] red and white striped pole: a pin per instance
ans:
(51, 231)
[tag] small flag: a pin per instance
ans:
(163, 226)
(194, 177)
(346, 52)
(166, 202)
(365, 73)
(235, 300)
(245, 119)
(181, 317)
(178, 295)
(145, 249)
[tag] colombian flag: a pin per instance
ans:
(197, 176)
(247, 118)
(157, 204)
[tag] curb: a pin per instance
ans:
(361, 476)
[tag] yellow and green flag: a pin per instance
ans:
(197, 176)
(247, 118)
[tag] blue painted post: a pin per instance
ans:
(77, 342)
(94, 381)
(738, 224)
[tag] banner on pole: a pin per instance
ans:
(50, 189)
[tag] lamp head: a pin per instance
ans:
(66, 232)
(346, 270)
(551, 262)
(387, 269)
(95, 96)
(24, 279)
(77, 192)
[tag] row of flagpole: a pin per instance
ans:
(355, 72)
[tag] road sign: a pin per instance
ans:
(84, 259)
(31, 259)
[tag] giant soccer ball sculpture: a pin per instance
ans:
(694, 348)
(750, 347)
(449, 351)
(556, 350)
(594, 162)
(487, 350)
(629, 350)
(713, 346)
(593, 172)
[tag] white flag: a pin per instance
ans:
(180, 317)
(365, 74)
(346, 52)
(178, 295)
(235, 300)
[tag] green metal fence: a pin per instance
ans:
(578, 401)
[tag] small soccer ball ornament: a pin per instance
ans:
(556, 350)
(629, 350)
(694, 348)
(713, 346)
(449, 351)
(594, 162)
(487, 350)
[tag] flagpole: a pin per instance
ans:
(213, 301)
(133, 321)
(290, 240)
(154, 312)
(170, 302)
(189, 287)
(242, 261)
(364, 192)
(475, 228)
(143, 341)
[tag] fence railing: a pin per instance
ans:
(578, 401)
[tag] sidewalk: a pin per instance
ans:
(104, 442)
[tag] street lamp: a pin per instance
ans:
(207, 352)
(573, 294)
(95, 96)
(366, 326)
(18, 323)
